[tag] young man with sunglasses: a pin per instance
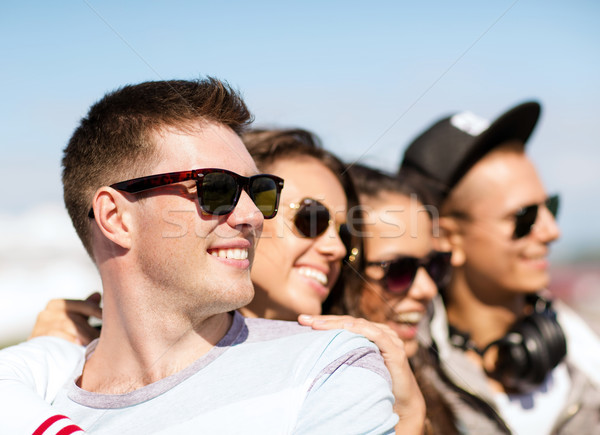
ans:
(169, 204)
(510, 361)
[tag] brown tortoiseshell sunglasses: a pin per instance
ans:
(219, 190)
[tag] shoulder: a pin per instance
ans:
(262, 330)
(43, 348)
(583, 345)
(330, 350)
(42, 364)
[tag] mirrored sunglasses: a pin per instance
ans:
(218, 190)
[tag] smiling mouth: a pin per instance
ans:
(537, 258)
(412, 317)
(315, 274)
(231, 254)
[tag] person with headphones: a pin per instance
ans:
(509, 360)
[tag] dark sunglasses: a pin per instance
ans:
(312, 218)
(218, 190)
(525, 218)
(399, 274)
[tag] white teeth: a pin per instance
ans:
(411, 317)
(315, 274)
(233, 254)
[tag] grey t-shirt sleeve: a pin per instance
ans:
(351, 395)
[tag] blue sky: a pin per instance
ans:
(365, 77)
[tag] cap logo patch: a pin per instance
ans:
(469, 123)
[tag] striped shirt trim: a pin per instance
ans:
(362, 357)
(56, 425)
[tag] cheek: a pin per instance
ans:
(176, 224)
(266, 270)
(274, 260)
(487, 253)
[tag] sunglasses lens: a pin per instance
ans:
(312, 218)
(525, 218)
(219, 193)
(401, 274)
(438, 268)
(263, 192)
(552, 203)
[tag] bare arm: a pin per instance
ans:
(69, 319)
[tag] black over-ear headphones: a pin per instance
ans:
(533, 346)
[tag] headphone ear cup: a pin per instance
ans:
(531, 349)
(533, 329)
(522, 358)
(552, 335)
(512, 360)
(551, 330)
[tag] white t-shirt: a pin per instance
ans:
(536, 412)
(262, 377)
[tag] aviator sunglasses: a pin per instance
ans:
(218, 190)
(399, 274)
(525, 218)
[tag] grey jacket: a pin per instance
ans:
(465, 387)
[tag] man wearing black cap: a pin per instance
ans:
(509, 360)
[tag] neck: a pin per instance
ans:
(485, 319)
(248, 312)
(142, 342)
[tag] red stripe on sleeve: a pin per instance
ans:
(69, 430)
(49, 422)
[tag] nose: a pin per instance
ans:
(330, 244)
(546, 228)
(423, 288)
(246, 214)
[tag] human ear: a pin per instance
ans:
(111, 212)
(451, 240)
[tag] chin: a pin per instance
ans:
(311, 307)
(240, 297)
(538, 284)
(411, 347)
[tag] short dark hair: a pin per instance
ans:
(114, 141)
(372, 182)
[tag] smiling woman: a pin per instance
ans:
(400, 275)
(299, 256)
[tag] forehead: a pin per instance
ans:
(204, 145)
(308, 177)
(396, 225)
(501, 182)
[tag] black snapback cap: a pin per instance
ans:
(446, 151)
